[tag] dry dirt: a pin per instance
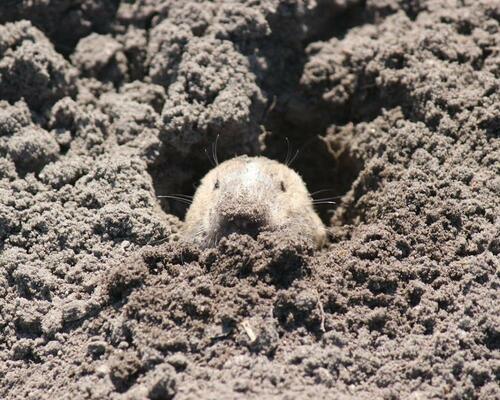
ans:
(105, 105)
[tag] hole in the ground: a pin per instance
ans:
(302, 120)
(326, 177)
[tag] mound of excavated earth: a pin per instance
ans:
(106, 105)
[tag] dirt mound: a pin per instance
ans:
(105, 105)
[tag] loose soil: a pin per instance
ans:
(395, 108)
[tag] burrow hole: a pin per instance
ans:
(325, 174)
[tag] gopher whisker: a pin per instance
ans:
(216, 158)
(327, 198)
(210, 159)
(185, 200)
(323, 191)
(293, 158)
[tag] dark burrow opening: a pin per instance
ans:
(292, 123)
(325, 174)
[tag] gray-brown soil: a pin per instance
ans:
(104, 105)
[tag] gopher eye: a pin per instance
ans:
(216, 185)
(282, 186)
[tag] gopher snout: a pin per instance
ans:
(241, 216)
(243, 224)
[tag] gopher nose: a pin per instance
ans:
(243, 224)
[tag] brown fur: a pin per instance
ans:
(265, 194)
